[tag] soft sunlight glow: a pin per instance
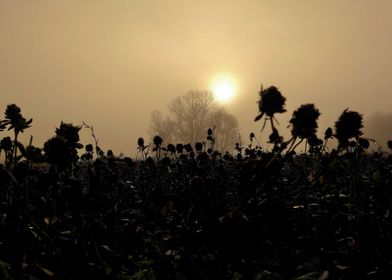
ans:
(223, 89)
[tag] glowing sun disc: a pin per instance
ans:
(223, 90)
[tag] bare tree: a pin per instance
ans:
(160, 126)
(226, 129)
(189, 118)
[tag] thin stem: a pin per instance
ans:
(292, 141)
(15, 147)
(272, 123)
(265, 122)
(306, 147)
(298, 144)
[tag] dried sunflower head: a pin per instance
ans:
(304, 121)
(348, 126)
(271, 102)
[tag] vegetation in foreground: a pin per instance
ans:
(190, 212)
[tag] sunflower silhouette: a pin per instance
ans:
(14, 118)
(348, 126)
(271, 102)
(304, 121)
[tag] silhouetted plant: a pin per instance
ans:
(271, 102)
(389, 143)
(304, 125)
(328, 134)
(140, 142)
(304, 121)
(61, 150)
(364, 143)
(98, 150)
(238, 147)
(157, 142)
(165, 161)
(88, 155)
(70, 133)
(315, 144)
(110, 153)
(3, 125)
(115, 219)
(198, 147)
(252, 138)
(179, 148)
(33, 154)
(89, 148)
(143, 149)
(58, 152)
(171, 148)
(15, 121)
(6, 146)
(275, 137)
(348, 126)
(211, 137)
(188, 148)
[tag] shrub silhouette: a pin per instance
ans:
(61, 150)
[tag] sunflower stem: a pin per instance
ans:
(298, 144)
(15, 150)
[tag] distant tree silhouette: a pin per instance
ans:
(189, 118)
(161, 126)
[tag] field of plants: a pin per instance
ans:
(187, 211)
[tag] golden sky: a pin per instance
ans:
(111, 62)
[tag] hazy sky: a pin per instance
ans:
(110, 63)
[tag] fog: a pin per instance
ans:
(111, 63)
(378, 126)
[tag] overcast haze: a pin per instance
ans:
(110, 63)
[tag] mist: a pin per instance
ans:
(111, 63)
(378, 126)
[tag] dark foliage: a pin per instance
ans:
(195, 213)
(6, 144)
(61, 150)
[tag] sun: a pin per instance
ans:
(223, 89)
